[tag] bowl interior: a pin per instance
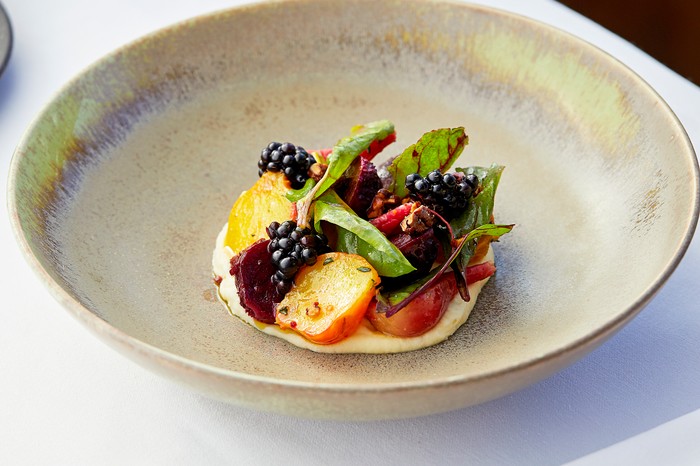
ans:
(122, 184)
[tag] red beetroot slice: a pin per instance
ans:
(253, 270)
(389, 222)
(364, 184)
(421, 250)
(376, 147)
(421, 314)
(478, 272)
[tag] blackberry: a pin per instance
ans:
(448, 194)
(291, 247)
(287, 158)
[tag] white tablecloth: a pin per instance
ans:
(66, 398)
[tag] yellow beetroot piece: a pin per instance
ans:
(330, 298)
(256, 208)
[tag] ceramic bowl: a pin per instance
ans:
(120, 186)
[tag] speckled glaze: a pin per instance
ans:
(120, 186)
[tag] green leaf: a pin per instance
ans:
(344, 152)
(294, 195)
(348, 149)
(358, 236)
(478, 213)
(435, 150)
(480, 208)
(489, 229)
(461, 262)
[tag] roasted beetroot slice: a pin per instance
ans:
(389, 222)
(376, 147)
(421, 250)
(362, 187)
(478, 272)
(253, 270)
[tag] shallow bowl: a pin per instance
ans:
(120, 186)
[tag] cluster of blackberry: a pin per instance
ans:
(287, 158)
(291, 247)
(447, 194)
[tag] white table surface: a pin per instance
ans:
(66, 398)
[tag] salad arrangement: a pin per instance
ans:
(326, 242)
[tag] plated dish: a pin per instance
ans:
(120, 186)
(333, 253)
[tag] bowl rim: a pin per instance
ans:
(552, 360)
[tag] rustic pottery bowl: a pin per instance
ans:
(119, 188)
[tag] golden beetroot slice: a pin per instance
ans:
(256, 208)
(330, 298)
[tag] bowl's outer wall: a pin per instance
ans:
(120, 186)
